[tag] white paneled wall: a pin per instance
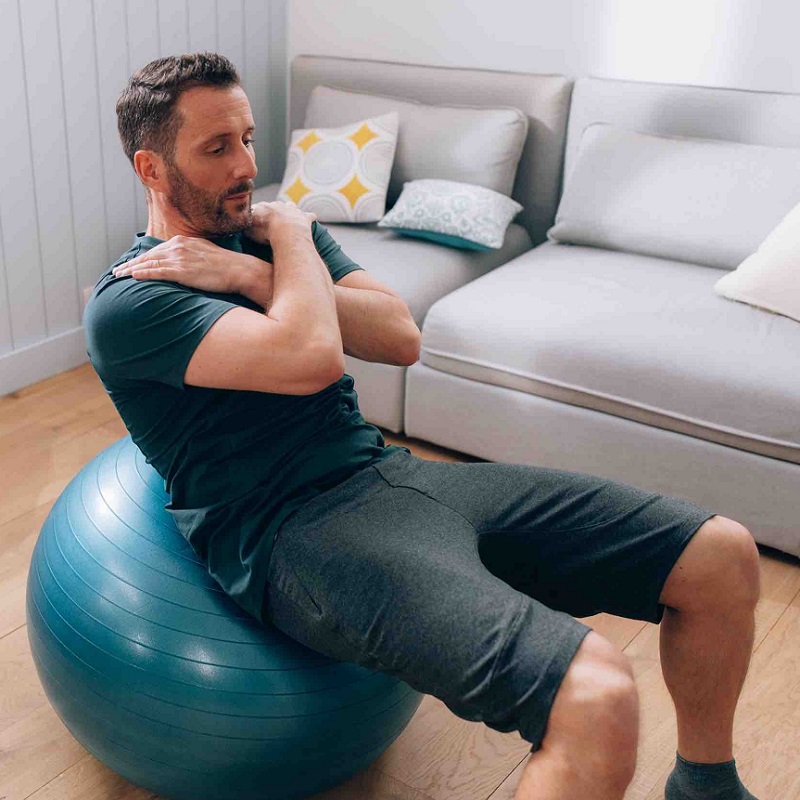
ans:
(70, 202)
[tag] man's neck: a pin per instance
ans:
(165, 229)
(164, 223)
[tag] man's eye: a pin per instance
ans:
(220, 149)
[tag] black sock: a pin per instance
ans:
(690, 780)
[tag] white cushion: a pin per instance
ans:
(770, 278)
(342, 174)
(702, 201)
(471, 144)
(452, 213)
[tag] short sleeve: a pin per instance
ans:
(330, 251)
(147, 330)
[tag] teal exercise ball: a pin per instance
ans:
(164, 678)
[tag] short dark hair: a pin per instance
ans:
(146, 115)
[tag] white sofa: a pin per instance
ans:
(587, 358)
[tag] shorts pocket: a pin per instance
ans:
(293, 610)
(283, 578)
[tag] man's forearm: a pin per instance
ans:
(302, 291)
(374, 326)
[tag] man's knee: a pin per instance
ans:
(746, 559)
(594, 720)
(719, 565)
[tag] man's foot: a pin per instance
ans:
(692, 781)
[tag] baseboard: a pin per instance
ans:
(42, 360)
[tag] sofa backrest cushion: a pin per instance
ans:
(703, 201)
(732, 115)
(463, 143)
(543, 98)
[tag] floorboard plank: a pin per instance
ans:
(88, 779)
(33, 751)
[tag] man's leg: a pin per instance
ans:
(581, 544)
(589, 747)
(707, 635)
(706, 642)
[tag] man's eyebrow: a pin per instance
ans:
(216, 136)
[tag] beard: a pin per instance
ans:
(207, 212)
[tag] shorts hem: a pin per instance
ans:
(691, 526)
(556, 671)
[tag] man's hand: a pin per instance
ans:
(271, 220)
(193, 261)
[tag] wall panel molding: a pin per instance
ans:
(70, 203)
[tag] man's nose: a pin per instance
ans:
(246, 168)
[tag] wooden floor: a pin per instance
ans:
(50, 430)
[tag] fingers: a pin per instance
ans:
(124, 269)
(129, 266)
(158, 256)
(158, 273)
(282, 203)
(148, 255)
(149, 268)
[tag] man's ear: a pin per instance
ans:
(150, 168)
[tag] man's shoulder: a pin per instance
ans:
(107, 277)
(123, 294)
(139, 246)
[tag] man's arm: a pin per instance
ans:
(295, 348)
(375, 322)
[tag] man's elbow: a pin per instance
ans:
(413, 347)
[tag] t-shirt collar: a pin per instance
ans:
(230, 241)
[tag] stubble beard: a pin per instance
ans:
(206, 211)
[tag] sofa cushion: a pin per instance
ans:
(634, 336)
(342, 174)
(770, 278)
(702, 201)
(421, 272)
(471, 144)
(452, 213)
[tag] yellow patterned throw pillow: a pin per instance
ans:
(342, 174)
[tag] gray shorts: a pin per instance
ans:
(464, 579)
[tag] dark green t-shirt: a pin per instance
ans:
(235, 463)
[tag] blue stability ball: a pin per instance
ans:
(164, 678)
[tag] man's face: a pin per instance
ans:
(213, 161)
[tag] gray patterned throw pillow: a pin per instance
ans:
(452, 213)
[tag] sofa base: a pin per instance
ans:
(500, 424)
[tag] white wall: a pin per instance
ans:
(722, 43)
(70, 202)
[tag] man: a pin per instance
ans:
(220, 336)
